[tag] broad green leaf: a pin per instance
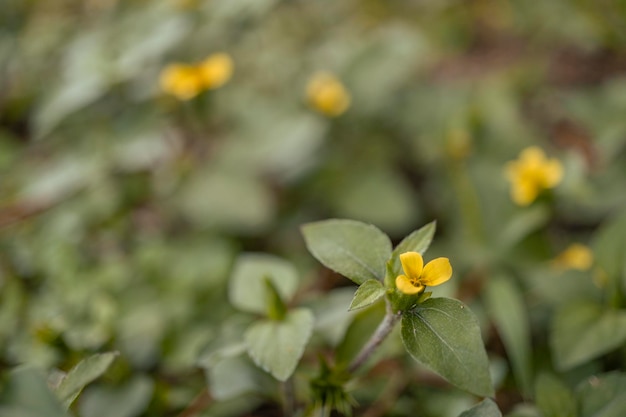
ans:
(508, 312)
(247, 290)
(603, 396)
(417, 241)
(82, 374)
(444, 335)
(356, 250)
(277, 346)
(584, 330)
(128, 400)
(554, 398)
(485, 408)
(26, 393)
(368, 293)
(609, 248)
(233, 376)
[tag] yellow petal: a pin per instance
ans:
(412, 264)
(216, 70)
(436, 272)
(553, 173)
(404, 285)
(524, 192)
(532, 157)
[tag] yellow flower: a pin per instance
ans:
(327, 94)
(531, 174)
(181, 80)
(418, 276)
(575, 256)
(216, 70)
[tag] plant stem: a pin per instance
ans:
(384, 328)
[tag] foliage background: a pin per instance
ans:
(124, 209)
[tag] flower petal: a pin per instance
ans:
(404, 285)
(436, 272)
(412, 264)
(553, 173)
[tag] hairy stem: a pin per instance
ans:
(384, 328)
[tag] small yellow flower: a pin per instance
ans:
(216, 70)
(327, 94)
(181, 80)
(418, 276)
(575, 256)
(531, 174)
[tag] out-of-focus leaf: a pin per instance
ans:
(609, 248)
(417, 241)
(553, 397)
(332, 317)
(231, 202)
(247, 290)
(485, 408)
(233, 376)
(356, 250)
(444, 335)
(126, 400)
(368, 293)
(361, 329)
(603, 395)
(584, 330)
(82, 374)
(508, 312)
(277, 346)
(394, 207)
(26, 394)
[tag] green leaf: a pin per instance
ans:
(584, 330)
(508, 312)
(234, 376)
(444, 335)
(128, 400)
(82, 374)
(418, 241)
(368, 293)
(247, 290)
(553, 398)
(603, 396)
(27, 394)
(276, 308)
(485, 408)
(277, 346)
(356, 250)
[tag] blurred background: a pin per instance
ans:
(145, 144)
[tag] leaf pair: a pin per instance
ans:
(441, 333)
(259, 284)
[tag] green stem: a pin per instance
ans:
(384, 328)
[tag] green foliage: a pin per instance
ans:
(82, 374)
(369, 292)
(486, 408)
(353, 249)
(160, 218)
(508, 312)
(444, 335)
(277, 346)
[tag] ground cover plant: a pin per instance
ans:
(312, 208)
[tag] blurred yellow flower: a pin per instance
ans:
(531, 174)
(575, 256)
(327, 94)
(216, 70)
(418, 276)
(181, 80)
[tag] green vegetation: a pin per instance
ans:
(170, 169)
